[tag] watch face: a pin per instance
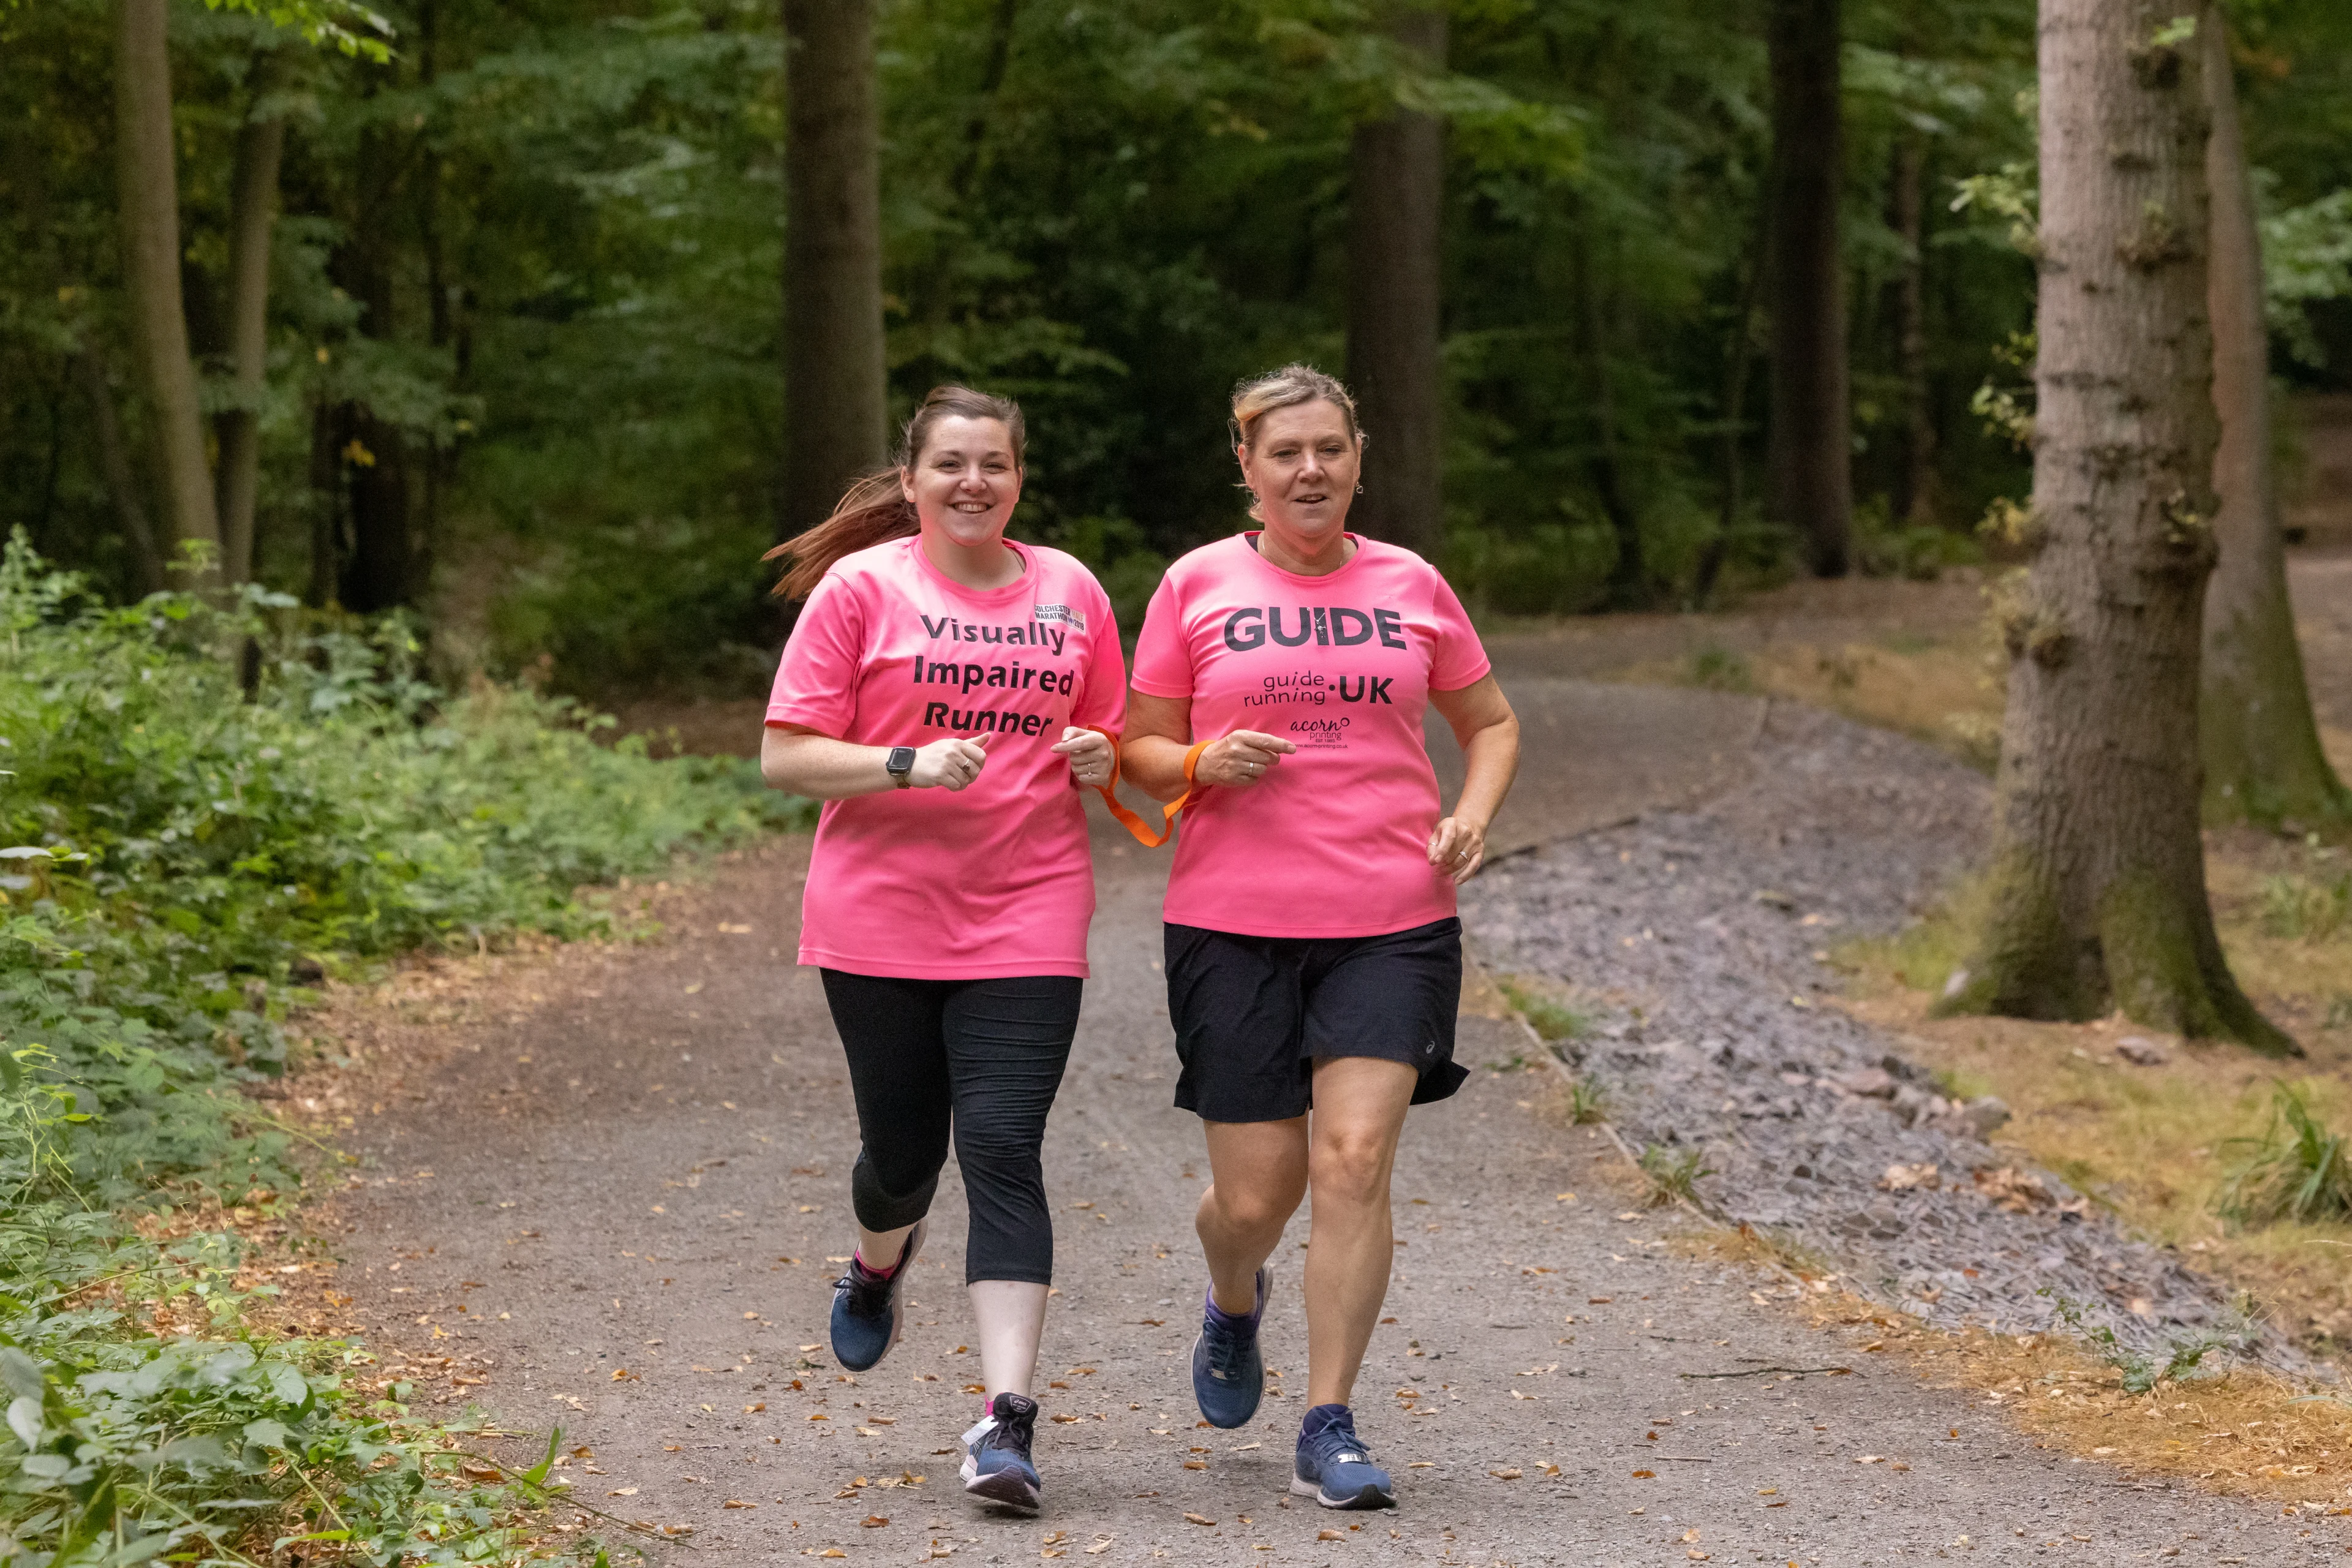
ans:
(902, 760)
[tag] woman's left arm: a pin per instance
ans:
(1488, 734)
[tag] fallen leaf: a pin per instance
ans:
(1599, 1301)
(1510, 1475)
(1198, 1518)
(1870, 1459)
(1690, 1535)
(1196, 1464)
(1921, 1177)
(1100, 1546)
(874, 1520)
(755, 1409)
(1065, 1420)
(625, 1491)
(1645, 1475)
(738, 1502)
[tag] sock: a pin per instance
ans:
(1244, 1323)
(1323, 1417)
(878, 1273)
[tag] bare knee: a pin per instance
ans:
(1250, 1207)
(1353, 1166)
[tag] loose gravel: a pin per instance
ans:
(1708, 929)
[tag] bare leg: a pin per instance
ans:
(1257, 1173)
(1359, 1106)
(1011, 1318)
(880, 1249)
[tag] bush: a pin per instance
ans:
(184, 851)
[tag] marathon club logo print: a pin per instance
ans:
(1252, 629)
(990, 668)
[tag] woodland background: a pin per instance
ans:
(524, 315)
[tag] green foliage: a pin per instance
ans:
(1553, 1018)
(2306, 258)
(2183, 1357)
(2294, 1171)
(1588, 1103)
(1673, 1178)
(2307, 909)
(1720, 669)
(183, 855)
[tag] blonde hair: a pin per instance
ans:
(875, 508)
(1287, 388)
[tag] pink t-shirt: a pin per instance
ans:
(1334, 841)
(993, 879)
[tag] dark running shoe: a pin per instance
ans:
(1333, 1467)
(1228, 1373)
(868, 1309)
(996, 1462)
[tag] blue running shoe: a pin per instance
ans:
(1228, 1373)
(868, 1309)
(1333, 1467)
(996, 1462)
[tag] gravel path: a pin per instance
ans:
(611, 1200)
(1709, 924)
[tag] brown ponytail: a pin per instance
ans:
(875, 508)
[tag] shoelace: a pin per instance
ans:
(1228, 1352)
(869, 1294)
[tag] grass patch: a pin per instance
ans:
(1554, 1018)
(2294, 1171)
(1588, 1103)
(186, 853)
(1720, 669)
(1673, 1178)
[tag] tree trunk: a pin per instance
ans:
(1810, 486)
(148, 201)
(1396, 194)
(2097, 889)
(114, 468)
(1738, 351)
(1914, 484)
(253, 210)
(380, 568)
(2260, 744)
(835, 414)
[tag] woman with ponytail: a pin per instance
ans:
(945, 692)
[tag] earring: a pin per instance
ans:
(1360, 490)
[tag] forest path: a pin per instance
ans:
(637, 1175)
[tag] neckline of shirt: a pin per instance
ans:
(1247, 535)
(1028, 579)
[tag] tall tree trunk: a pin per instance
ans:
(253, 210)
(1810, 486)
(1915, 484)
(380, 572)
(1396, 195)
(1629, 573)
(326, 504)
(2260, 742)
(2098, 880)
(1738, 353)
(148, 201)
(114, 468)
(835, 414)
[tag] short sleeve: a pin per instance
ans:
(816, 681)
(1163, 658)
(1459, 658)
(1103, 703)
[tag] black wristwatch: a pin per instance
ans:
(900, 765)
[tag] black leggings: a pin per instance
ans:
(983, 1056)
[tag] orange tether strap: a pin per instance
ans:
(1130, 820)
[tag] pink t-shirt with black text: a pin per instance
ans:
(994, 879)
(1333, 840)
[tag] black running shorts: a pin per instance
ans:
(1252, 1014)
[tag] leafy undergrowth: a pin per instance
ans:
(187, 854)
(2230, 1158)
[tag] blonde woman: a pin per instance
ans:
(1314, 960)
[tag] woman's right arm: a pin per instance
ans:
(1158, 733)
(802, 761)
